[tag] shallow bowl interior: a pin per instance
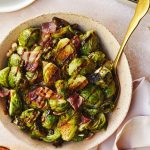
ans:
(16, 139)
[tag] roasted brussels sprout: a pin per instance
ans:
(52, 135)
(14, 77)
(98, 57)
(110, 90)
(29, 117)
(15, 104)
(77, 82)
(64, 51)
(81, 66)
(50, 74)
(90, 43)
(48, 120)
(58, 105)
(99, 123)
(61, 87)
(36, 132)
(4, 76)
(14, 60)
(93, 96)
(68, 126)
(29, 36)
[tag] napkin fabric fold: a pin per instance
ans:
(134, 132)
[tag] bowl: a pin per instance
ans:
(14, 138)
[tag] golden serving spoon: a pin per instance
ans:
(141, 10)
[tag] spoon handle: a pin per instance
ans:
(140, 12)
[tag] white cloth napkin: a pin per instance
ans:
(134, 132)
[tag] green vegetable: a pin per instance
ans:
(68, 127)
(29, 117)
(50, 73)
(14, 60)
(15, 106)
(90, 43)
(77, 82)
(29, 36)
(14, 77)
(64, 51)
(4, 76)
(52, 136)
(48, 120)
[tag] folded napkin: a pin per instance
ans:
(134, 132)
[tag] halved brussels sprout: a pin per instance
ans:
(90, 43)
(21, 50)
(95, 98)
(50, 74)
(52, 136)
(14, 60)
(48, 120)
(110, 90)
(15, 104)
(68, 126)
(98, 57)
(58, 105)
(37, 48)
(4, 76)
(14, 77)
(99, 123)
(77, 82)
(90, 112)
(81, 66)
(29, 36)
(61, 87)
(29, 117)
(107, 106)
(36, 132)
(64, 51)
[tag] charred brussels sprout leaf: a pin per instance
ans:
(14, 77)
(90, 43)
(77, 83)
(99, 123)
(31, 76)
(14, 60)
(61, 87)
(64, 51)
(50, 73)
(51, 137)
(15, 106)
(29, 36)
(29, 117)
(81, 66)
(4, 76)
(48, 120)
(68, 127)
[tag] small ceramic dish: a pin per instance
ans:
(13, 5)
(14, 138)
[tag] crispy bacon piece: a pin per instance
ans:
(4, 92)
(31, 60)
(76, 42)
(75, 101)
(48, 27)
